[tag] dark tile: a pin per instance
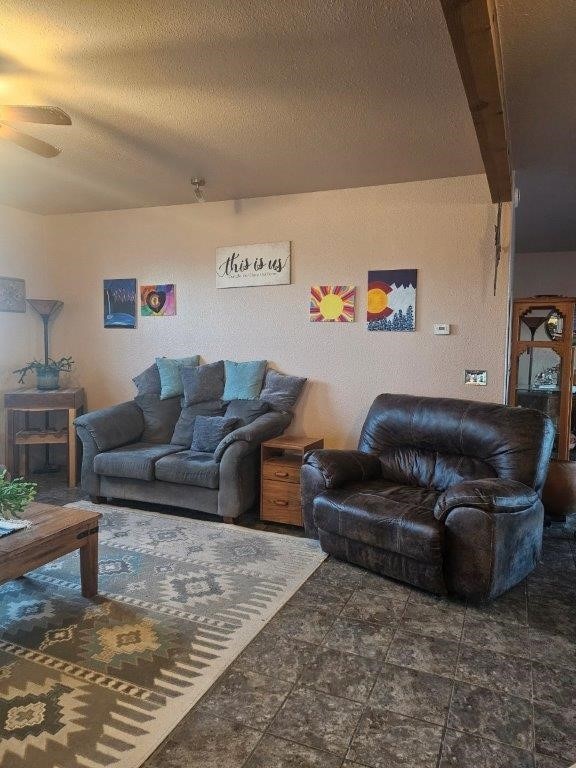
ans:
(341, 674)
(247, 697)
(339, 573)
(382, 585)
(511, 606)
(205, 741)
(278, 753)
(302, 622)
(276, 655)
(491, 715)
(496, 671)
(441, 601)
(429, 654)
(554, 685)
(362, 638)
(389, 740)
(549, 647)
(329, 596)
(555, 730)
(317, 720)
(371, 606)
(411, 693)
(554, 614)
(461, 750)
(432, 621)
(500, 636)
(546, 761)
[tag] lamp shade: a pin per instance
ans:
(45, 307)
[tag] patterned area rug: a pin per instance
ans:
(102, 682)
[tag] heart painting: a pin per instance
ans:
(157, 300)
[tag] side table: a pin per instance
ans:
(280, 472)
(20, 403)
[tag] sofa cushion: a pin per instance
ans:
(391, 517)
(243, 380)
(210, 430)
(160, 417)
(148, 382)
(184, 429)
(189, 468)
(135, 461)
(204, 383)
(246, 410)
(171, 376)
(282, 391)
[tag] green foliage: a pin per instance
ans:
(15, 495)
(54, 366)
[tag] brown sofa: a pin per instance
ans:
(442, 494)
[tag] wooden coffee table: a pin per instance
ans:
(55, 531)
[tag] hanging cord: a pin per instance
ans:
(497, 244)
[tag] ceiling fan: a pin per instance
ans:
(39, 115)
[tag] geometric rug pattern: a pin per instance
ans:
(102, 682)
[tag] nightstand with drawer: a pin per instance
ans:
(280, 484)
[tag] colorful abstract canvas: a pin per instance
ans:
(332, 303)
(157, 300)
(392, 300)
(120, 303)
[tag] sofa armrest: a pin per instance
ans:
(112, 427)
(340, 467)
(492, 495)
(263, 428)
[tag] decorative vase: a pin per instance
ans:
(48, 379)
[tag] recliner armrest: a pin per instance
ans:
(113, 427)
(341, 467)
(265, 427)
(493, 495)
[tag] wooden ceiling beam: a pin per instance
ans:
(473, 27)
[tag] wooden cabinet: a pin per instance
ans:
(280, 483)
(542, 377)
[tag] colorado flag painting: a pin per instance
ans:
(392, 300)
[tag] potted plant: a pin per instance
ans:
(15, 495)
(47, 373)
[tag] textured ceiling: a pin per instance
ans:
(539, 58)
(261, 97)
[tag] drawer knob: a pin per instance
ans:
(280, 503)
(281, 474)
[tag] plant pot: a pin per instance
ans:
(48, 379)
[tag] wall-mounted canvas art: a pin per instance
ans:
(239, 266)
(12, 294)
(392, 300)
(157, 300)
(120, 303)
(332, 303)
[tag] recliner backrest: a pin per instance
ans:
(436, 442)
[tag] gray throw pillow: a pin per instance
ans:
(210, 430)
(247, 410)
(184, 429)
(160, 417)
(282, 391)
(148, 382)
(204, 383)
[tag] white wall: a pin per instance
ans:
(553, 273)
(22, 254)
(444, 228)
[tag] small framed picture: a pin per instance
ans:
(475, 378)
(12, 294)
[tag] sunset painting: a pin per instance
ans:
(392, 300)
(332, 303)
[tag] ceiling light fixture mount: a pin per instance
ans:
(199, 183)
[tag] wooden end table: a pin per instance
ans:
(19, 437)
(55, 531)
(280, 477)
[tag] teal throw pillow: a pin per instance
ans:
(243, 380)
(170, 376)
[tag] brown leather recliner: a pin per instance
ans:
(443, 494)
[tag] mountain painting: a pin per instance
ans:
(392, 300)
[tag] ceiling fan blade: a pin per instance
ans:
(44, 115)
(28, 142)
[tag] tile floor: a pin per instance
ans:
(357, 670)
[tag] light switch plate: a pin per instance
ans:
(441, 329)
